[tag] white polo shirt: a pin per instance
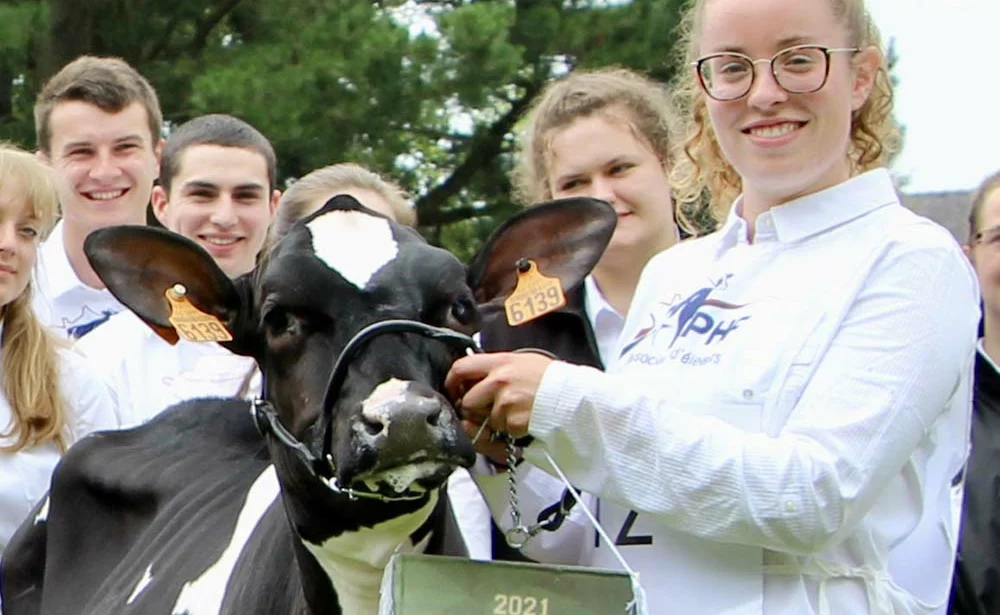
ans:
(147, 374)
(25, 475)
(781, 430)
(61, 301)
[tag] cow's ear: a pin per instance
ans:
(139, 263)
(565, 238)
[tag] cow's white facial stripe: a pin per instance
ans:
(144, 582)
(203, 596)
(355, 561)
(354, 244)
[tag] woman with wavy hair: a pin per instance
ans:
(791, 398)
(50, 398)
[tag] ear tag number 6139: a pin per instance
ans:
(191, 323)
(535, 295)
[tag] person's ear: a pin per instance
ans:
(866, 66)
(275, 199)
(157, 153)
(159, 200)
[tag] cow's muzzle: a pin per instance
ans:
(424, 412)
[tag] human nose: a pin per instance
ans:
(602, 188)
(224, 212)
(765, 90)
(104, 167)
(8, 237)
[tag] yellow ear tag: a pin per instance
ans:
(534, 296)
(191, 323)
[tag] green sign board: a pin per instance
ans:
(436, 585)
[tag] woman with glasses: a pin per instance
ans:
(791, 400)
(975, 588)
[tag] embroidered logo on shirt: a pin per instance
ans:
(691, 316)
(76, 331)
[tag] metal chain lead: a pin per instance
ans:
(518, 535)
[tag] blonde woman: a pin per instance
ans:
(50, 397)
(791, 402)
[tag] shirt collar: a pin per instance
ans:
(54, 265)
(595, 303)
(817, 212)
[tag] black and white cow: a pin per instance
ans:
(195, 513)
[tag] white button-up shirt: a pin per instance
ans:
(25, 474)
(605, 321)
(61, 301)
(780, 433)
(147, 374)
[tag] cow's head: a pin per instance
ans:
(335, 272)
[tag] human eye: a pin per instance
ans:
(570, 184)
(128, 147)
(29, 231)
(800, 60)
(247, 197)
(79, 152)
(620, 167)
(730, 67)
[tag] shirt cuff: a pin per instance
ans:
(558, 397)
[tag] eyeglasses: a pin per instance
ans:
(989, 237)
(798, 70)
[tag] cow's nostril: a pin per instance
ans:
(433, 418)
(373, 427)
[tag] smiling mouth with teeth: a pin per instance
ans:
(773, 131)
(105, 195)
(221, 241)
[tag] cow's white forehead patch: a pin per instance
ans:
(354, 244)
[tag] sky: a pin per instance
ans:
(948, 93)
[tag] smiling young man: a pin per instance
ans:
(97, 122)
(217, 188)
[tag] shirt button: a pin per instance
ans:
(790, 506)
(747, 394)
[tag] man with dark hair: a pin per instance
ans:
(217, 188)
(97, 123)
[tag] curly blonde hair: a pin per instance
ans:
(30, 361)
(701, 170)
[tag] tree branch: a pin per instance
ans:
(484, 149)
(161, 44)
(205, 26)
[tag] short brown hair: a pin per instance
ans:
(298, 197)
(110, 84)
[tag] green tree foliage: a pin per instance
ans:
(427, 92)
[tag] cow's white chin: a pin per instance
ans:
(405, 480)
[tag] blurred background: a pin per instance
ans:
(428, 92)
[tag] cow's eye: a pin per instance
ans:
(277, 321)
(463, 315)
(464, 311)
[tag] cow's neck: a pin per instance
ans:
(354, 562)
(350, 540)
